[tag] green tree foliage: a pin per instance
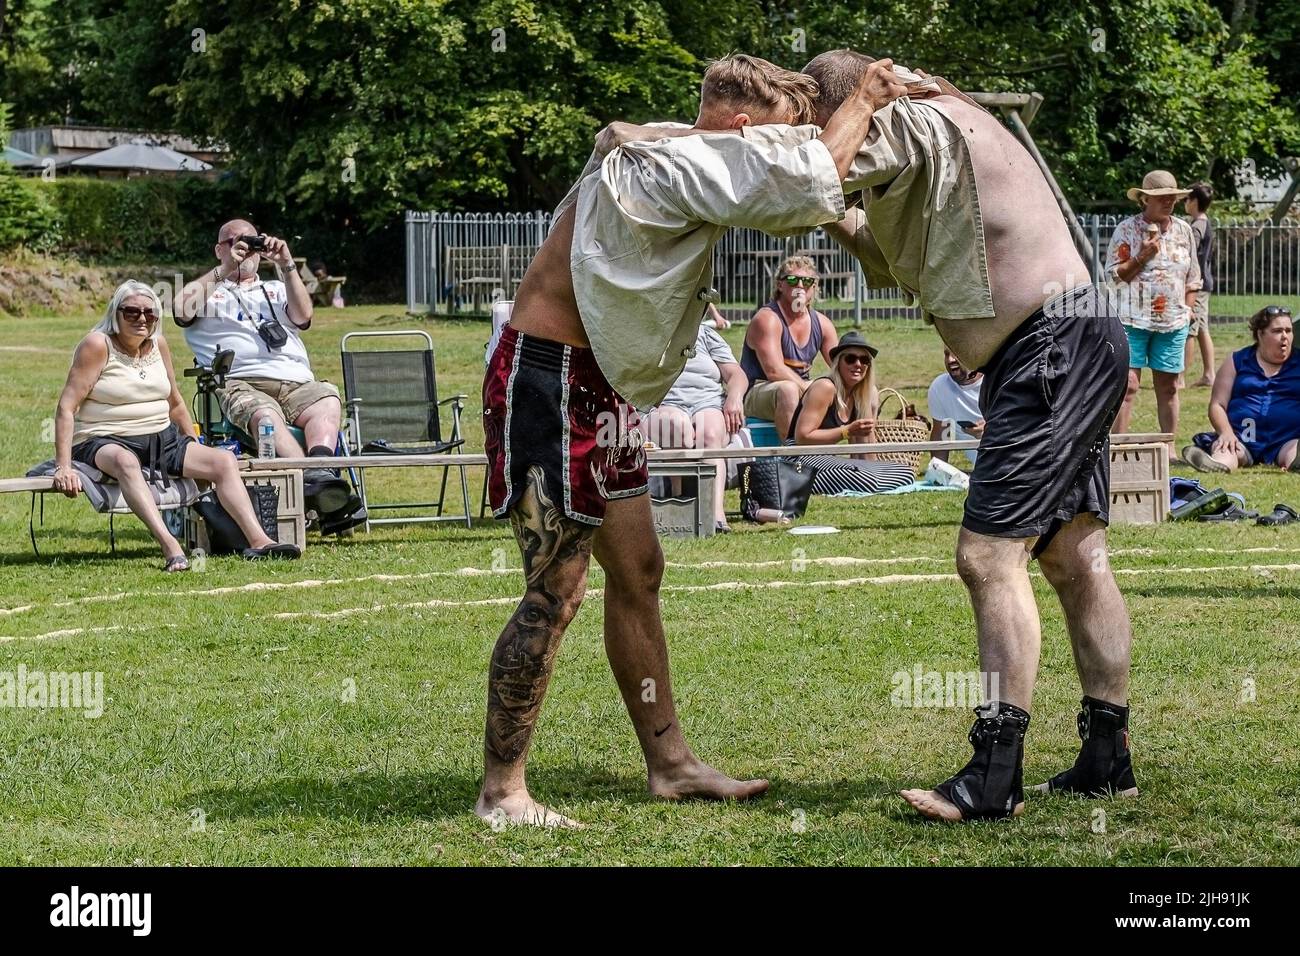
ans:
(346, 112)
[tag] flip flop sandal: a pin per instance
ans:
(281, 550)
(176, 562)
(1282, 514)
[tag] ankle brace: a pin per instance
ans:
(992, 784)
(1104, 765)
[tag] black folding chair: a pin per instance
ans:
(393, 408)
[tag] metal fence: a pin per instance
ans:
(459, 263)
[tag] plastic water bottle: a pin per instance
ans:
(266, 440)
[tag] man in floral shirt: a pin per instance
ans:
(1154, 275)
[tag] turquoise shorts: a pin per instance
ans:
(1158, 351)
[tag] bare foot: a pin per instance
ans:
(700, 781)
(930, 804)
(1205, 381)
(520, 808)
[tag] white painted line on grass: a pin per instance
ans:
(747, 585)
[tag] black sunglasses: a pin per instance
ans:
(806, 281)
(1273, 311)
(856, 359)
(131, 312)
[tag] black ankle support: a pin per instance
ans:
(1104, 765)
(992, 784)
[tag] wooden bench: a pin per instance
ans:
(486, 274)
(320, 289)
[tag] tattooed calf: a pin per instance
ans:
(556, 552)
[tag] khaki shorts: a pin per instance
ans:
(760, 400)
(1200, 314)
(242, 397)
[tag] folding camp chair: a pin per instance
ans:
(392, 407)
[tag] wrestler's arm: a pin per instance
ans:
(854, 235)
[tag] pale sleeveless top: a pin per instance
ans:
(130, 397)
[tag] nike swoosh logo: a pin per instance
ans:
(660, 732)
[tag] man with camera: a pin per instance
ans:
(270, 379)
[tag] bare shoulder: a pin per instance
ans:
(92, 350)
(763, 323)
(821, 390)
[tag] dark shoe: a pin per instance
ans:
(343, 522)
(1282, 514)
(1234, 512)
(273, 551)
(991, 786)
(324, 491)
(1104, 766)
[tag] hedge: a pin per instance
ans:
(168, 220)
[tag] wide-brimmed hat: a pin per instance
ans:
(1158, 182)
(853, 340)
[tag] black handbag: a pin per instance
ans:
(224, 536)
(781, 484)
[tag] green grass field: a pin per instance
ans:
(231, 733)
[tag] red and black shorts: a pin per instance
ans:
(547, 406)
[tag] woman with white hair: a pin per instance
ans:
(121, 412)
(840, 407)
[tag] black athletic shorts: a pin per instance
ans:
(1049, 397)
(161, 455)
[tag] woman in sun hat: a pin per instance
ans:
(1154, 275)
(840, 407)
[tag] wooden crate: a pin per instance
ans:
(1147, 463)
(1136, 502)
(291, 520)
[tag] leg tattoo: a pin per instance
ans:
(556, 552)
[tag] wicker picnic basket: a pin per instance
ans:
(908, 426)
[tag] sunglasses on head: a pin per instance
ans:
(1273, 311)
(805, 281)
(855, 358)
(131, 312)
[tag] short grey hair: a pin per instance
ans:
(109, 325)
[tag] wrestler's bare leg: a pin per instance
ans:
(628, 550)
(556, 554)
(996, 573)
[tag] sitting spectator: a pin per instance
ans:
(1255, 403)
(954, 400)
(322, 274)
(121, 412)
(271, 379)
(840, 407)
(781, 342)
(698, 413)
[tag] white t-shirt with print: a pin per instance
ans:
(949, 401)
(230, 319)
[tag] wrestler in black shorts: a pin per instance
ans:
(1049, 397)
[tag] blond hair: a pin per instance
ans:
(859, 399)
(794, 262)
(746, 81)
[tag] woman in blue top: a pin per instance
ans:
(1255, 405)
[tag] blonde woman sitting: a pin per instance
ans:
(121, 412)
(840, 407)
